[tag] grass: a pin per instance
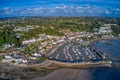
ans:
(43, 58)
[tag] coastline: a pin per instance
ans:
(48, 62)
(49, 67)
(99, 39)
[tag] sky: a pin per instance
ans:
(14, 8)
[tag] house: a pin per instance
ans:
(70, 38)
(48, 46)
(17, 61)
(59, 41)
(33, 58)
(7, 60)
(37, 55)
(110, 24)
(6, 46)
(24, 61)
(104, 30)
(8, 57)
(119, 35)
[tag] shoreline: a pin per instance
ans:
(99, 39)
(48, 62)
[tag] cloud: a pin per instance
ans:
(63, 10)
(6, 10)
(60, 7)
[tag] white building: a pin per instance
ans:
(104, 30)
(37, 55)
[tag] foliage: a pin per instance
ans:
(50, 26)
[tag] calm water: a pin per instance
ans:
(110, 47)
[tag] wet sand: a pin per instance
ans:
(11, 72)
(82, 74)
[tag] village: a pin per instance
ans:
(33, 51)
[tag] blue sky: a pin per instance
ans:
(12, 8)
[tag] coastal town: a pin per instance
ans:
(36, 50)
(59, 39)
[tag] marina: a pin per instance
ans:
(70, 52)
